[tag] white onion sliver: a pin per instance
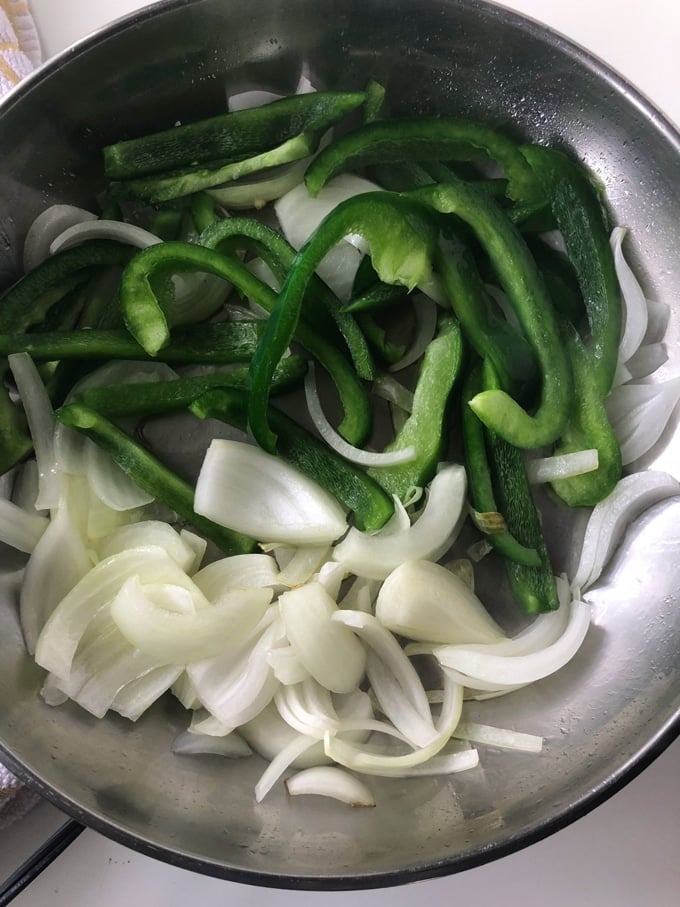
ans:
(19, 529)
(631, 497)
(395, 705)
(426, 326)
(46, 227)
(331, 653)
(547, 469)
(338, 443)
(41, 422)
(639, 413)
(632, 297)
(303, 565)
(283, 759)
(246, 100)
(240, 571)
(116, 230)
(361, 760)
(387, 387)
(256, 193)
(391, 654)
(132, 700)
(328, 781)
(250, 491)
(503, 669)
(647, 360)
(495, 736)
(658, 316)
(232, 745)
(376, 555)
(109, 482)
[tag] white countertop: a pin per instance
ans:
(625, 853)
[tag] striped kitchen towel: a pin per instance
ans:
(19, 44)
(19, 55)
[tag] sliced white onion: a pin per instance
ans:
(256, 193)
(647, 360)
(632, 297)
(630, 498)
(138, 695)
(338, 443)
(444, 764)
(299, 216)
(361, 595)
(117, 230)
(236, 687)
(20, 529)
(240, 571)
(246, 100)
(328, 781)
(504, 669)
(396, 706)
(496, 736)
(232, 745)
(268, 734)
(426, 326)
(376, 555)
(362, 760)
(205, 724)
(41, 422)
(197, 545)
(25, 487)
(109, 482)
(296, 712)
(146, 616)
(658, 315)
(185, 691)
(58, 562)
(46, 227)
(290, 753)
(245, 489)
(303, 565)
(387, 387)
(64, 629)
(564, 466)
(331, 576)
(386, 647)
(331, 653)
(424, 601)
(639, 413)
(287, 666)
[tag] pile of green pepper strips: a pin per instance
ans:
(537, 382)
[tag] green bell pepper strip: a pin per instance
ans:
(526, 292)
(360, 494)
(15, 439)
(368, 287)
(583, 224)
(560, 280)
(27, 302)
(425, 428)
(155, 398)
(203, 211)
(375, 101)
(155, 189)
(480, 484)
(279, 255)
(206, 344)
(401, 236)
(423, 139)
(151, 475)
(489, 335)
(228, 137)
(534, 588)
(588, 427)
(144, 315)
